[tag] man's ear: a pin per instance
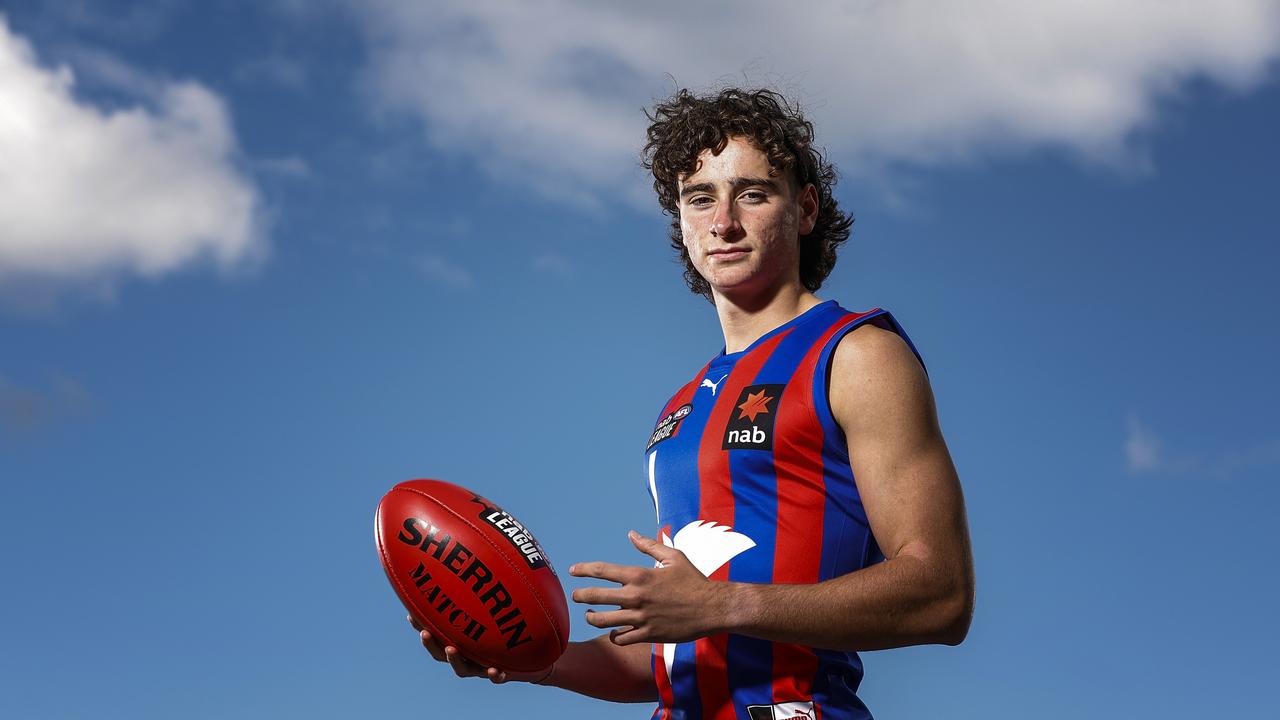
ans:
(808, 201)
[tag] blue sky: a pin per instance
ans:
(258, 264)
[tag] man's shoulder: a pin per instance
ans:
(869, 345)
(872, 362)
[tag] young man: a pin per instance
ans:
(774, 565)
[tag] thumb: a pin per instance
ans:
(652, 548)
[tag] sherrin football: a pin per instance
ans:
(472, 574)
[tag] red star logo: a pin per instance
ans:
(756, 403)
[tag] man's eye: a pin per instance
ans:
(700, 200)
(753, 196)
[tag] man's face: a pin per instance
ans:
(742, 227)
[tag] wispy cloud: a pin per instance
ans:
(107, 70)
(1251, 458)
(287, 166)
(89, 196)
(1147, 454)
(23, 409)
(276, 70)
(1141, 447)
(552, 264)
(551, 91)
(124, 21)
(445, 272)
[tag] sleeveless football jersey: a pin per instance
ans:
(750, 478)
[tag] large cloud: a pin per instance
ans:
(552, 90)
(87, 195)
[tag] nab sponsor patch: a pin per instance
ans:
(668, 425)
(751, 422)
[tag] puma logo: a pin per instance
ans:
(713, 385)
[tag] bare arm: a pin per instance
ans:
(600, 669)
(596, 668)
(922, 593)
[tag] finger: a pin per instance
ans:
(601, 596)
(613, 618)
(432, 645)
(414, 623)
(462, 667)
(627, 636)
(653, 548)
(496, 676)
(605, 571)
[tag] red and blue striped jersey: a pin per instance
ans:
(750, 478)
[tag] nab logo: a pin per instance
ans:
(751, 424)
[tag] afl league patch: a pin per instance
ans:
(668, 425)
(751, 422)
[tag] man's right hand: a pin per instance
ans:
(463, 667)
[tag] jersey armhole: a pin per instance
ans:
(822, 372)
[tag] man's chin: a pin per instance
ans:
(750, 292)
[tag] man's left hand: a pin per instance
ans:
(670, 603)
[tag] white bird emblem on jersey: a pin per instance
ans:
(708, 546)
(713, 385)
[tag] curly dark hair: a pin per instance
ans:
(686, 124)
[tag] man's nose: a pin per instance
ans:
(725, 223)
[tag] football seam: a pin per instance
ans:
(501, 553)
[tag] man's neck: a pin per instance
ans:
(745, 321)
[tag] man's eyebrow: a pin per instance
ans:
(736, 183)
(688, 190)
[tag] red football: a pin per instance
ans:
(472, 574)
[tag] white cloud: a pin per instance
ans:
(552, 91)
(88, 196)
